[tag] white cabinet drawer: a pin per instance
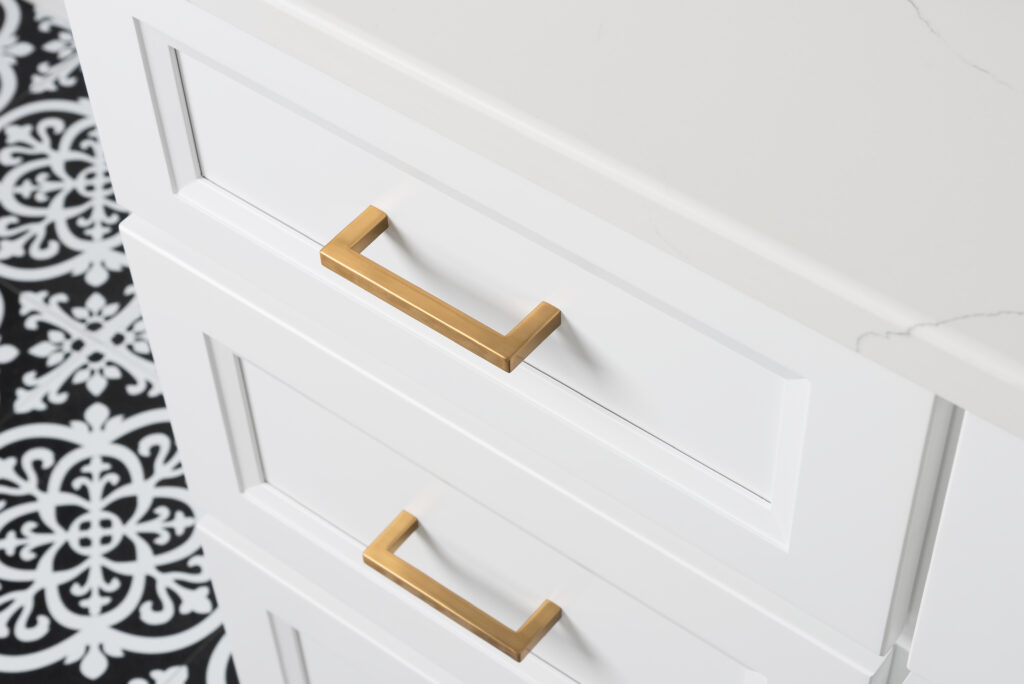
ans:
(310, 455)
(686, 386)
(695, 418)
(284, 629)
(359, 482)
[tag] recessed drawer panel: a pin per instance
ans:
(284, 629)
(688, 386)
(359, 483)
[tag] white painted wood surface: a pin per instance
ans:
(915, 679)
(358, 482)
(669, 378)
(850, 164)
(282, 630)
(196, 324)
(971, 622)
(773, 537)
(864, 425)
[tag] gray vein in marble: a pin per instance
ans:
(907, 332)
(974, 65)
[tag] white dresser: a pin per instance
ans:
(584, 342)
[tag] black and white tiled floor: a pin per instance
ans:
(101, 574)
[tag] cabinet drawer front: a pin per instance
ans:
(283, 629)
(702, 421)
(359, 483)
(312, 456)
(608, 642)
(686, 386)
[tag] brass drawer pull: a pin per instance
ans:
(342, 255)
(380, 556)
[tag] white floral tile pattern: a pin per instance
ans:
(60, 68)
(13, 49)
(101, 574)
(96, 539)
(91, 344)
(59, 216)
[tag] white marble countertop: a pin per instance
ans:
(856, 165)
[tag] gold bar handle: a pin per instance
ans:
(342, 255)
(380, 555)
